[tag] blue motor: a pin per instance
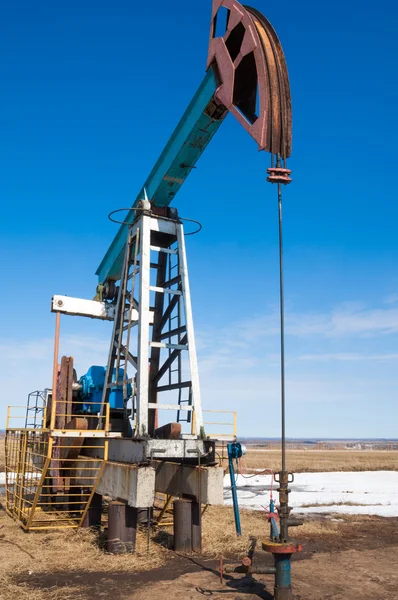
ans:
(91, 388)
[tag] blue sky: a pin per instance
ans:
(90, 93)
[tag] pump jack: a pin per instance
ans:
(111, 415)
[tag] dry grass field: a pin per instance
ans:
(312, 461)
(72, 564)
(34, 553)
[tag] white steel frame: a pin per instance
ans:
(145, 229)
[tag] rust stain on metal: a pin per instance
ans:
(277, 548)
(173, 179)
(279, 175)
(282, 122)
(170, 431)
(250, 62)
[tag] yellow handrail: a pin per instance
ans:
(232, 424)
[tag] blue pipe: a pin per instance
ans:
(283, 587)
(274, 524)
(234, 451)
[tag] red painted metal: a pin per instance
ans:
(272, 515)
(170, 431)
(252, 72)
(279, 175)
(246, 561)
(275, 548)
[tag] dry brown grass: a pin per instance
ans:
(24, 553)
(312, 461)
(341, 503)
(77, 551)
(219, 536)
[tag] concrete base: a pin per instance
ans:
(136, 485)
(204, 484)
(128, 483)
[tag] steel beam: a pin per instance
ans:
(182, 525)
(83, 308)
(183, 268)
(143, 327)
(93, 514)
(122, 528)
(196, 526)
(136, 485)
(125, 450)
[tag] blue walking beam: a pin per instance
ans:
(190, 138)
(247, 76)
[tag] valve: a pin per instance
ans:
(236, 450)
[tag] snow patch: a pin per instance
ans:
(360, 493)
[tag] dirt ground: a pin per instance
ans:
(344, 558)
(344, 575)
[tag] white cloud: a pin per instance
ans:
(22, 352)
(347, 320)
(348, 356)
(27, 365)
(253, 342)
(363, 322)
(239, 369)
